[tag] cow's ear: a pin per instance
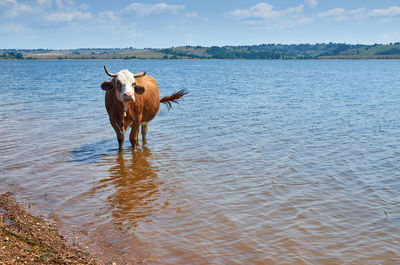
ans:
(139, 89)
(106, 86)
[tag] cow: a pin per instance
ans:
(132, 100)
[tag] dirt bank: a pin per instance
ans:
(25, 239)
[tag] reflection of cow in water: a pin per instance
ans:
(137, 192)
(132, 100)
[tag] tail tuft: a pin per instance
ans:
(173, 98)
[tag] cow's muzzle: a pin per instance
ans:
(128, 97)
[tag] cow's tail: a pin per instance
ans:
(173, 98)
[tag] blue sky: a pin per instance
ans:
(61, 24)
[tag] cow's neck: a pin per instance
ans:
(125, 109)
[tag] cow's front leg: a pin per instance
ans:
(133, 137)
(119, 133)
(120, 137)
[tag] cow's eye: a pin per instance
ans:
(119, 85)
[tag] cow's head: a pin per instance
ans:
(124, 85)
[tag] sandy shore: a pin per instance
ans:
(26, 239)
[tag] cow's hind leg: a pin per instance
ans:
(133, 137)
(144, 131)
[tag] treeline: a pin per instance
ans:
(302, 51)
(12, 55)
(237, 53)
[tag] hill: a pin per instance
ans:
(262, 51)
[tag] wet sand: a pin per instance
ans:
(26, 239)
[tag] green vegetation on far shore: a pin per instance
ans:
(11, 55)
(262, 51)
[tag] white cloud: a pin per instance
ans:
(18, 17)
(261, 10)
(45, 11)
(340, 14)
(264, 14)
(14, 9)
(44, 2)
(312, 3)
(388, 12)
(108, 16)
(73, 15)
(335, 14)
(191, 15)
(358, 14)
(7, 2)
(84, 6)
(156, 9)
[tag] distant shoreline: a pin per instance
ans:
(223, 59)
(319, 51)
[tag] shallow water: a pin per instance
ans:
(263, 162)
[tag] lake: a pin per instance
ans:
(263, 162)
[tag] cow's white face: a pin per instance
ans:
(125, 86)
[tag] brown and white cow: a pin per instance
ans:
(132, 100)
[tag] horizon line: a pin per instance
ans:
(229, 45)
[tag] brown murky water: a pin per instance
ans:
(264, 162)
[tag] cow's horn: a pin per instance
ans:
(112, 75)
(139, 75)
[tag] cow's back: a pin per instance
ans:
(148, 103)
